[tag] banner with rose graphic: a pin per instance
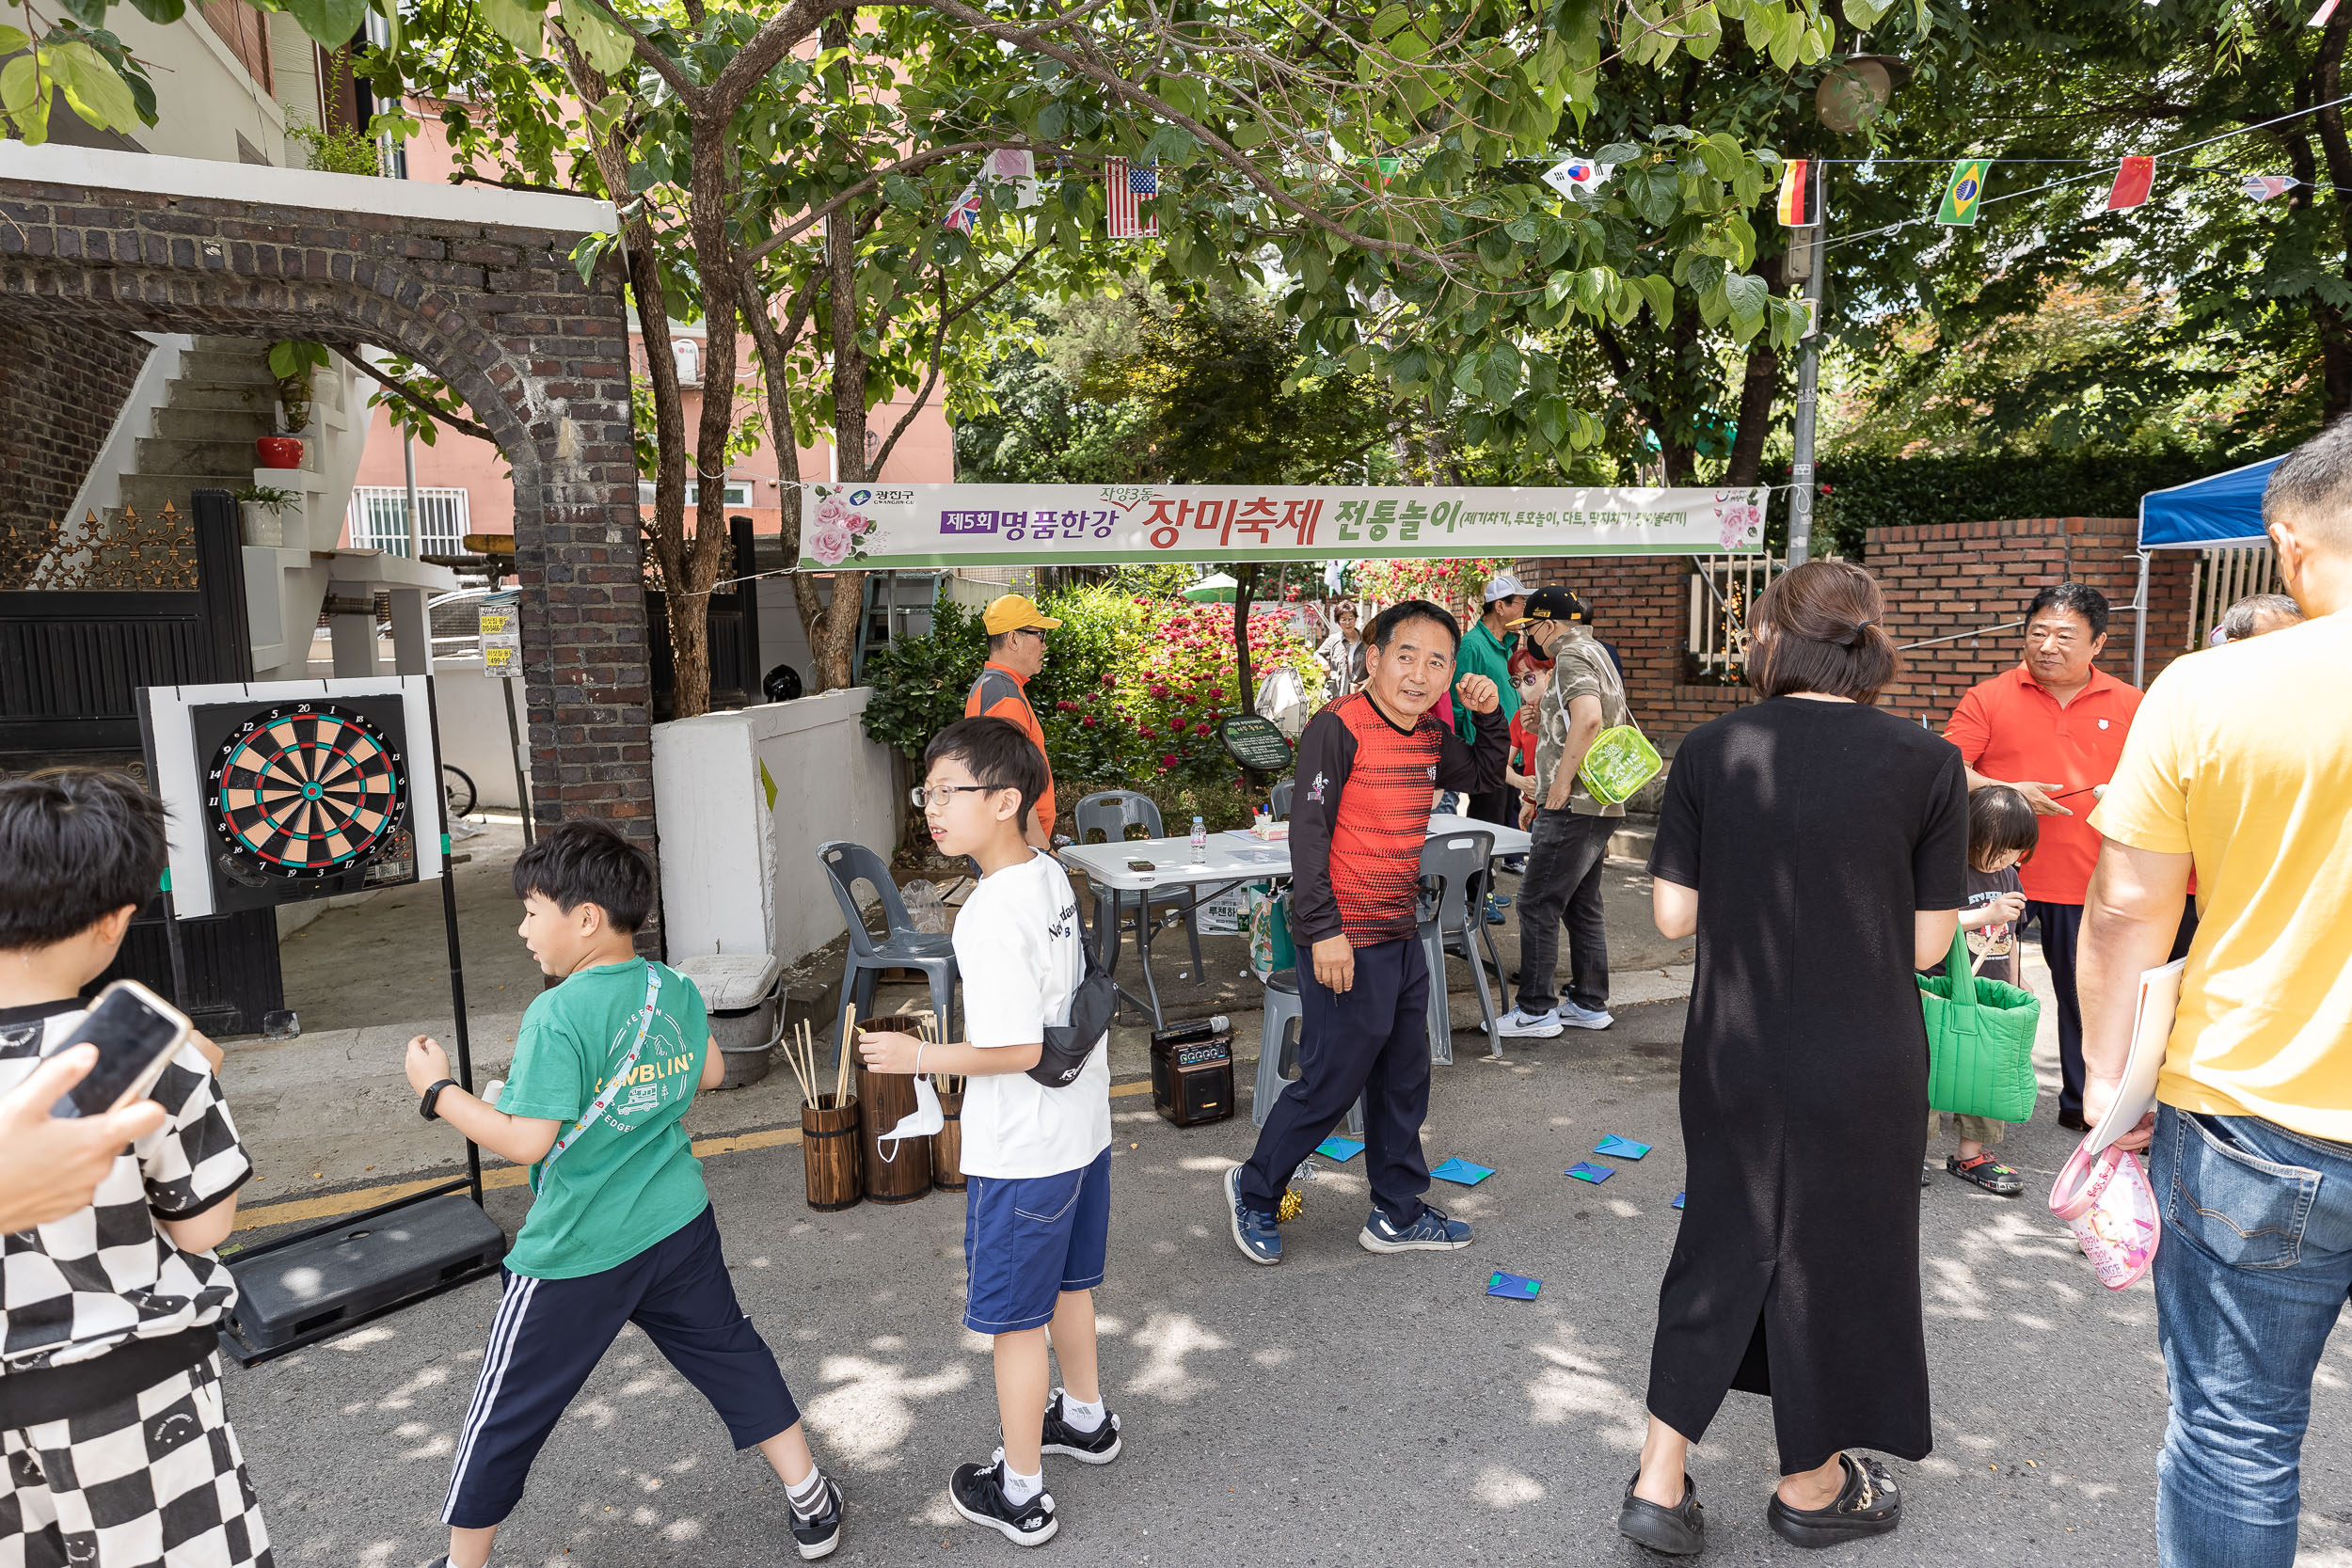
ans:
(867, 525)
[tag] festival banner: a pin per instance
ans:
(856, 526)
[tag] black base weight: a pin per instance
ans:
(328, 1280)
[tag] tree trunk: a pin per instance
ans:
(1758, 389)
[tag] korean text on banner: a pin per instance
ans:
(912, 525)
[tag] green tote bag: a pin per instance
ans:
(1979, 1041)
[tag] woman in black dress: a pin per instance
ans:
(1817, 846)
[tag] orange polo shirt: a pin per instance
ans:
(1002, 693)
(2011, 728)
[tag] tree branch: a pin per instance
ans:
(455, 421)
(815, 215)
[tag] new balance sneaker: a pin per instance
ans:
(819, 1536)
(1432, 1232)
(1988, 1173)
(1574, 1017)
(1522, 1024)
(1253, 1232)
(978, 1493)
(1099, 1447)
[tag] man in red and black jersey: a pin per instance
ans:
(1367, 767)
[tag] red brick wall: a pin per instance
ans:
(62, 385)
(1940, 581)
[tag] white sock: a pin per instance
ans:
(808, 1497)
(1019, 1488)
(1081, 1416)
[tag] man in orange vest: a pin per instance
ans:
(1016, 651)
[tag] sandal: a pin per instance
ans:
(1988, 1173)
(1677, 1532)
(1871, 1504)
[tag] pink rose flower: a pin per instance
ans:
(831, 510)
(1168, 762)
(860, 523)
(830, 543)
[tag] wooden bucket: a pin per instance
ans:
(883, 1099)
(947, 1146)
(832, 1155)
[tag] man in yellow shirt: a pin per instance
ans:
(2239, 766)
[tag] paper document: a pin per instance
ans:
(2152, 1029)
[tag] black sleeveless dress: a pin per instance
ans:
(1813, 832)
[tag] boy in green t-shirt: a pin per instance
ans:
(620, 1229)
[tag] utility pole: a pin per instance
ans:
(1808, 374)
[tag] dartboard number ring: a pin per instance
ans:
(305, 790)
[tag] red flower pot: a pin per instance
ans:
(280, 451)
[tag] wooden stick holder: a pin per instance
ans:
(833, 1154)
(884, 1098)
(947, 1145)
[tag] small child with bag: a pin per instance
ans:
(2002, 832)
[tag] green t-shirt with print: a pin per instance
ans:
(631, 1178)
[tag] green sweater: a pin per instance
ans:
(1483, 653)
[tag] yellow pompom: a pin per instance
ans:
(1293, 1204)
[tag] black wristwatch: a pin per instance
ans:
(424, 1107)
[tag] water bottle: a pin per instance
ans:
(1200, 841)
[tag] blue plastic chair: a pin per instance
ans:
(848, 864)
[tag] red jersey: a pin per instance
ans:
(2011, 727)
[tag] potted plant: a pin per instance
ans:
(292, 361)
(259, 514)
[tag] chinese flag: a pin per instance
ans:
(1798, 208)
(2132, 182)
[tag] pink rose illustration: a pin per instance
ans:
(860, 522)
(830, 542)
(831, 510)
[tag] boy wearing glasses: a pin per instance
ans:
(1037, 1221)
(1016, 651)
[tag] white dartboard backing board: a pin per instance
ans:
(282, 791)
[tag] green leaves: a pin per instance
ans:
(329, 19)
(518, 22)
(608, 48)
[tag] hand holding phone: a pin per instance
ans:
(135, 1032)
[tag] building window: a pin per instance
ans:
(378, 518)
(739, 493)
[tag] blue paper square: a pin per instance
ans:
(1584, 1170)
(1462, 1172)
(1678, 1201)
(1517, 1286)
(1337, 1148)
(1624, 1148)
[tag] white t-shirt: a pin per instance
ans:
(1020, 954)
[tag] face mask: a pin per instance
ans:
(926, 1119)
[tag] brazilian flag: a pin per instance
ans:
(1964, 191)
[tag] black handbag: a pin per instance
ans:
(1069, 1045)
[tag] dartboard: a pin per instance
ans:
(307, 791)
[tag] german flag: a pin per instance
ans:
(1799, 205)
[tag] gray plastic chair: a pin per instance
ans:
(1456, 863)
(1107, 815)
(848, 864)
(1278, 1050)
(1282, 792)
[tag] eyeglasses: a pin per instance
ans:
(926, 799)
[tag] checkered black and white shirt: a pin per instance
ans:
(73, 1290)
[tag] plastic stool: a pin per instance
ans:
(1278, 1050)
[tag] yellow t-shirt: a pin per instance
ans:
(2241, 756)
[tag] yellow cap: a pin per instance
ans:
(1014, 612)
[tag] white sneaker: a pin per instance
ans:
(1574, 1017)
(1522, 1024)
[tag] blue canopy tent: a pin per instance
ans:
(2219, 511)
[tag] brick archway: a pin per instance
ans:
(458, 279)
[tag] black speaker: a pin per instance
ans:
(1192, 1072)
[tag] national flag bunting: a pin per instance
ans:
(2133, 182)
(2319, 17)
(1574, 176)
(2262, 187)
(1799, 204)
(1963, 192)
(1127, 186)
(967, 210)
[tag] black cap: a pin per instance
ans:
(1554, 604)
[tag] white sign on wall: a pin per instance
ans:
(868, 525)
(501, 630)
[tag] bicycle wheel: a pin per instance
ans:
(457, 790)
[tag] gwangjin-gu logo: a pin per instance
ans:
(859, 498)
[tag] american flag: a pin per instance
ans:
(1128, 188)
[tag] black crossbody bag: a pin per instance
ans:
(1069, 1045)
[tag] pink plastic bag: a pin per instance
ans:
(2112, 1209)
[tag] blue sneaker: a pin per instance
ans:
(1432, 1232)
(1494, 910)
(1574, 1017)
(1253, 1232)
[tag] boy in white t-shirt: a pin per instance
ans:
(1037, 1222)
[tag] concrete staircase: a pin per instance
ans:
(223, 400)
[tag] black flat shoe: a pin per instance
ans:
(1869, 1505)
(1677, 1532)
(2073, 1121)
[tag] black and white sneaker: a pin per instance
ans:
(978, 1493)
(1099, 1447)
(817, 1537)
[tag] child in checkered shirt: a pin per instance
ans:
(117, 1451)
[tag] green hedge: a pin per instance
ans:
(1893, 491)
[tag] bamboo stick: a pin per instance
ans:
(848, 1042)
(801, 1074)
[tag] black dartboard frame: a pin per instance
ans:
(304, 797)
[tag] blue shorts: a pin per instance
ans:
(1028, 1239)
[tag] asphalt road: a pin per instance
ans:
(1343, 1409)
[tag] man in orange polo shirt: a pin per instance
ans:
(2053, 730)
(1016, 651)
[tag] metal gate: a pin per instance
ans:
(2222, 577)
(1723, 589)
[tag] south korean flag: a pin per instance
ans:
(1574, 176)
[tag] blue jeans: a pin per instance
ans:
(2255, 1264)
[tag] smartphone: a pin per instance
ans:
(135, 1032)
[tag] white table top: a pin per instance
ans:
(1232, 856)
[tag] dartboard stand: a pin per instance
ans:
(281, 792)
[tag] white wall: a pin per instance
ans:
(739, 874)
(472, 710)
